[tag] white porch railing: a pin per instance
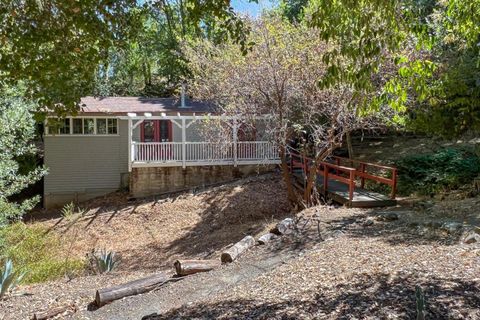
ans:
(203, 153)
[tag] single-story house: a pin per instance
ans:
(147, 145)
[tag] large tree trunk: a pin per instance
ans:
(104, 296)
(186, 267)
(233, 252)
(349, 145)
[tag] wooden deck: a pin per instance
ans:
(339, 193)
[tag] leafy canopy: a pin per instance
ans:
(17, 130)
(55, 46)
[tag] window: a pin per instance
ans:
(88, 126)
(64, 127)
(112, 126)
(77, 126)
(101, 126)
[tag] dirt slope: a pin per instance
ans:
(353, 271)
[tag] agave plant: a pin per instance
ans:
(8, 278)
(106, 261)
(420, 301)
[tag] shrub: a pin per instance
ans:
(37, 252)
(8, 278)
(104, 261)
(444, 170)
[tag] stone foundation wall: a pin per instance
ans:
(151, 181)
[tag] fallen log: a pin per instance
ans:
(106, 295)
(233, 252)
(43, 315)
(187, 267)
(283, 227)
(266, 238)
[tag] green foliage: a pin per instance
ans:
(105, 261)
(8, 278)
(68, 210)
(443, 170)
(17, 131)
(37, 252)
(293, 9)
(420, 303)
(55, 47)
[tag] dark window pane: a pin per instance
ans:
(64, 127)
(148, 131)
(112, 126)
(88, 126)
(101, 126)
(77, 126)
(164, 130)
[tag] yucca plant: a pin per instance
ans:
(68, 210)
(420, 300)
(8, 278)
(106, 261)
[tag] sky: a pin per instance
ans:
(251, 8)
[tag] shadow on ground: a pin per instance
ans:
(405, 230)
(376, 297)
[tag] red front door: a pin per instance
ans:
(156, 131)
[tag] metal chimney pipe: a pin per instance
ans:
(182, 97)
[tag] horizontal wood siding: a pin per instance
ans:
(86, 163)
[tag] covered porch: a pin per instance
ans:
(179, 141)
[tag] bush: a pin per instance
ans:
(444, 170)
(37, 252)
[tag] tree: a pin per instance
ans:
(278, 77)
(17, 131)
(54, 46)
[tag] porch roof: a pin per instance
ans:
(155, 106)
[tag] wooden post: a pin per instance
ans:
(394, 184)
(325, 179)
(131, 150)
(184, 144)
(305, 166)
(235, 138)
(362, 169)
(351, 187)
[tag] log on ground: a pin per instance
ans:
(187, 267)
(283, 227)
(266, 238)
(50, 313)
(106, 295)
(238, 248)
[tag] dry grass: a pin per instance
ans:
(185, 226)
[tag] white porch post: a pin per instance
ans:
(235, 138)
(184, 144)
(130, 146)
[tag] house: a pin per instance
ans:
(150, 146)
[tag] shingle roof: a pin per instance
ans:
(123, 105)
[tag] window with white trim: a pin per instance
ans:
(85, 126)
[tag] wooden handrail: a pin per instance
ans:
(370, 164)
(353, 172)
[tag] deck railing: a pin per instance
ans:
(345, 171)
(178, 153)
